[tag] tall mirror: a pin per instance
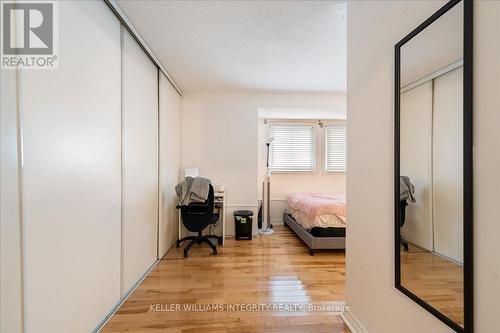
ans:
(433, 174)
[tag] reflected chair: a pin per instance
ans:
(402, 217)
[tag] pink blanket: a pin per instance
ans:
(314, 206)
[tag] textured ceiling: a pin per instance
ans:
(246, 45)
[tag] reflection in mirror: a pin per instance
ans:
(431, 165)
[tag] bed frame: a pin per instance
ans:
(314, 243)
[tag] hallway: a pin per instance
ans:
(268, 270)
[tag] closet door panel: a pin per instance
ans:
(448, 165)
(170, 163)
(10, 226)
(415, 159)
(140, 161)
(71, 172)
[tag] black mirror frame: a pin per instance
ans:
(467, 166)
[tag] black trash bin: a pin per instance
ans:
(243, 224)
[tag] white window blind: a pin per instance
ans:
(293, 148)
(336, 156)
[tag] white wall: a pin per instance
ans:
(220, 136)
(71, 172)
(486, 165)
(170, 163)
(139, 161)
(373, 29)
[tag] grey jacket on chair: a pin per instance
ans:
(192, 190)
(406, 189)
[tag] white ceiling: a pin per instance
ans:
(246, 45)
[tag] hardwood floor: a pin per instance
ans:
(436, 280)
(274, 269)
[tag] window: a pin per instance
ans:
(293, 148)
(335, 156)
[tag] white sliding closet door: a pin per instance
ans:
(170, 163)
(71, 172)
(416, 159)
(448, 165)
(10, 226)
(140, 161)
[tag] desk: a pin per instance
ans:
(219, 201)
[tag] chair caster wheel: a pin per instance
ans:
(185, 254)
(177, 244)
(311, 252)
(219, 240)
(214, 252)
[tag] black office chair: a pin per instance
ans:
(196, 217)
(402, 217)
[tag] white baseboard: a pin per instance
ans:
(353, 323)
(276, 221)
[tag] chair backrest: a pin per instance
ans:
(402, 212)
(198, 215)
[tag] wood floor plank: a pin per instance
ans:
(436, 280)
(271, 270)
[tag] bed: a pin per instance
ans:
(318, 219)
